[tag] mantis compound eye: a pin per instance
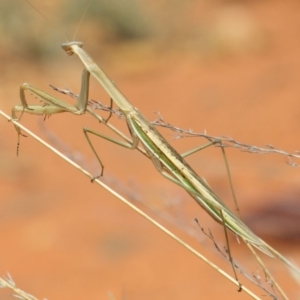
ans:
(68, 46)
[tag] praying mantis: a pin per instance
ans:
(164, 157)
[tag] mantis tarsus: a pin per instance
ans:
(164, 157)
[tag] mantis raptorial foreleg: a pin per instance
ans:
(52, 105)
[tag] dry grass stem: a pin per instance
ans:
(9, 283)
(136, 209)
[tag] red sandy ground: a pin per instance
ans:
(65, 238)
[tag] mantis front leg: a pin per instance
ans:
(52, 105)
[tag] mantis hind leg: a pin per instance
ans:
(229, 253)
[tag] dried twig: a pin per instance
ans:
(253, 278)
(227, 141)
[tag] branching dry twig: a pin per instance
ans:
(183, 133)
(254, 279)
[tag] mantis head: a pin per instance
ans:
(68, 46)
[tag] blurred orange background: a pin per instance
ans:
(225, 67)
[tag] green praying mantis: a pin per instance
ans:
(164, 157)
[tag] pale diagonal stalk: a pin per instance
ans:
(133, 207)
